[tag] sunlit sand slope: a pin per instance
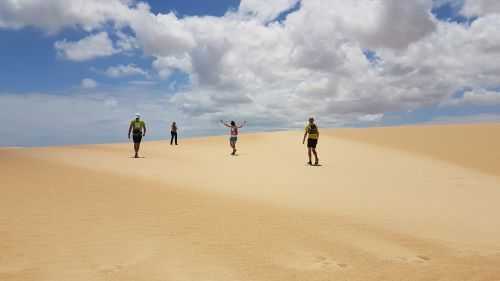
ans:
(473, 146)
(383, 206)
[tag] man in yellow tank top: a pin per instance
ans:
(138, 129)
(312, 134)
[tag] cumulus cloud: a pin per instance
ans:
(54, 15)
(166, 65)
(387, 23)
(313, 62)
(88, 83)
(480, 7)
(371, 117)
(125, 71)
(91, 47)
(126, 42)
(161, 34)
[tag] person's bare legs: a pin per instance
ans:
(309, 154)
(136, 148)
(233, 145)
(315, 156)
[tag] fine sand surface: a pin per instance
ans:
(413, 203)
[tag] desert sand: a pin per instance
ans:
(409, 203)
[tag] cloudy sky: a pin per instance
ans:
(75, 71)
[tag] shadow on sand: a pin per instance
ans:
(313, 165)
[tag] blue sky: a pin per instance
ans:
(194, 67)
(194, 7)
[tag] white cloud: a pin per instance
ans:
(389, 23)
(480, 7)
(126, 42)
(306, 65)
(54, 15)
(91, 47)
(371, 117)
(161, 34)
(88, 83)
(313, 62)
(166, 65)
(125, 71)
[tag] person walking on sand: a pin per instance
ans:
(234, 133)
(138, 129)
(173, 133)
(312, 134)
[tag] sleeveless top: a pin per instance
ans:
(137, 126)
(313, 131)
(234, 131)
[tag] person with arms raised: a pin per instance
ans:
(234, 133)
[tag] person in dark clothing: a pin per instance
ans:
(173, 133)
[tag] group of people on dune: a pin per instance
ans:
(138, 130)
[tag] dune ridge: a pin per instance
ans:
(371, 212)
(458, 144)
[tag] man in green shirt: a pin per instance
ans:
(138, 129)
(312, 134)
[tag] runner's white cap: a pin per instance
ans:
(138, 115)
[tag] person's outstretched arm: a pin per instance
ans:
(243, 124)
(304, 140)
(129, 130)
(225, 124)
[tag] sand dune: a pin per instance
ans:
(415, 203)
(454, 143)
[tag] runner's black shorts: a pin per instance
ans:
(312, 143)
(137, 137)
